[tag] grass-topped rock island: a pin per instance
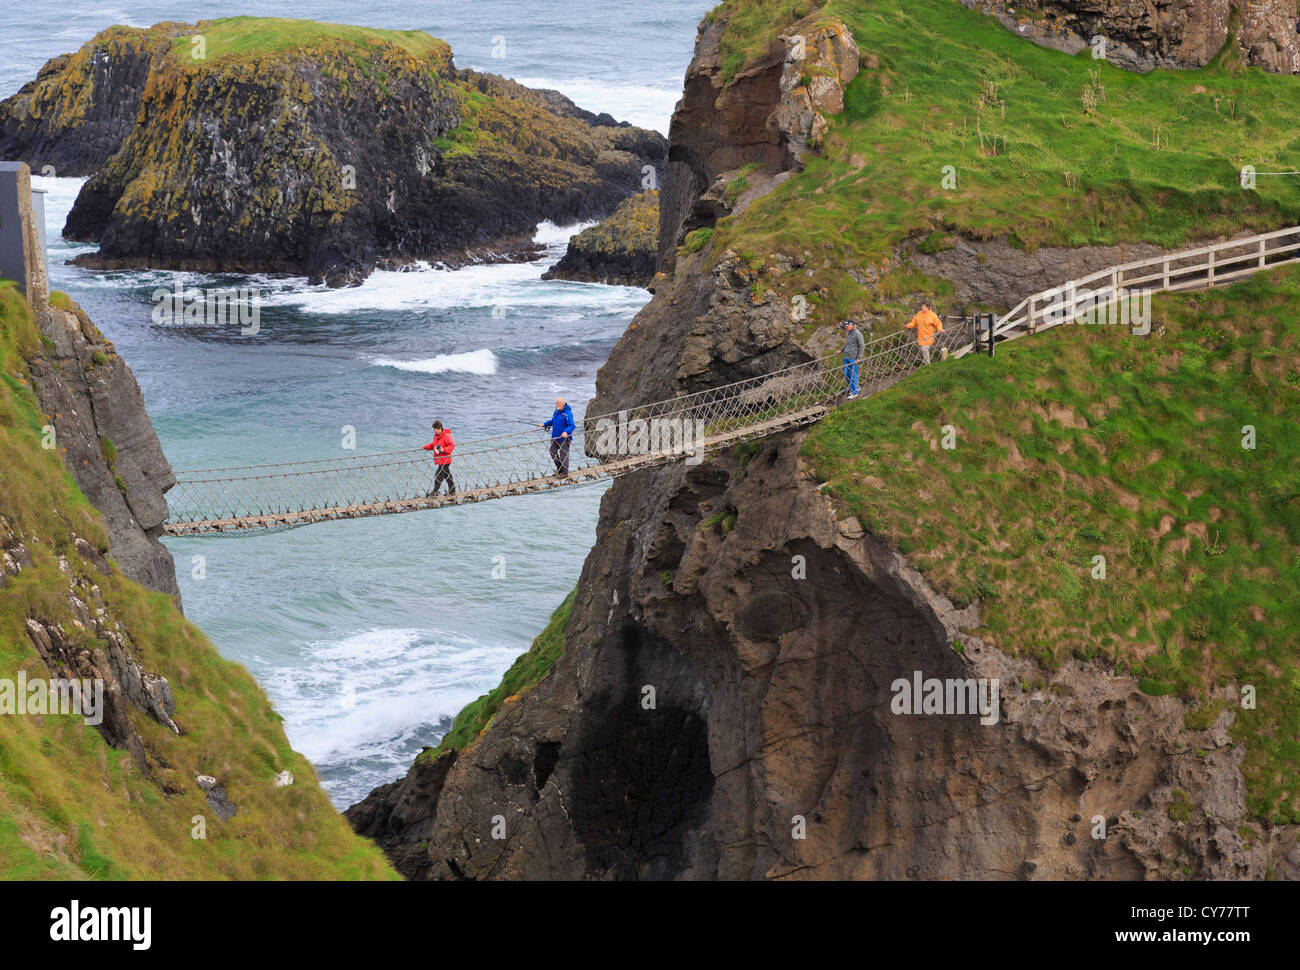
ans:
(265, 145)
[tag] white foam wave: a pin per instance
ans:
(498, 287)
(473, 362)
(644, 105)
(60, 194)
(557, 237)
(354, 696)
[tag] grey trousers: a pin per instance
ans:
(560, 455)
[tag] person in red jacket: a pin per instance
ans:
(442, 446)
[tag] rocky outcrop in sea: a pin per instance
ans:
(622, 250)
(328, 157)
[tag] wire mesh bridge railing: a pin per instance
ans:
(254, 498)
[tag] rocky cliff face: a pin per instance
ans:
(136, 772)
(759, 123)
(767, 649)
(1163, 33)
(97, 419)
(84, 394)
(81, 107)
(104, 434)
(325, 158)
(127, 684)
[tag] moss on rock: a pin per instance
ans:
(623, 249)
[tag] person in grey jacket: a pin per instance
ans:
(854, 348)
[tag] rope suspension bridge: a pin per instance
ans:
(260, 498)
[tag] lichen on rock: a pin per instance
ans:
(1184, 34)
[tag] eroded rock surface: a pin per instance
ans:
(760, 122)
(772, 703)
(1148, 34)
(107, 441)
(622, 250)
(96, 649)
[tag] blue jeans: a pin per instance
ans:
(851, 374)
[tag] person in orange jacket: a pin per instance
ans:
(442, 446)
(926, 324)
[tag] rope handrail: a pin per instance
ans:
(602, 446)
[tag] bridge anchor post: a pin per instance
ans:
(984, 326)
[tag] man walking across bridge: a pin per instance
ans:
(854, 347)
(562, 427)
(926, 324)
(442, 446)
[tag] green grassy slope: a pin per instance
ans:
(71, 806)
(1083, 442)
(1080, 442)
(523, 674)
(1047, 149)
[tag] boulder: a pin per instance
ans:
(621, 250)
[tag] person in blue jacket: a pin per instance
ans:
(562, 428)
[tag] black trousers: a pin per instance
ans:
(444, 475)
(560, 455)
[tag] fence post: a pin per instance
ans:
(1166, 286)
(1210, 280)
(1031, 314)
(982, 323)
(1263, 250)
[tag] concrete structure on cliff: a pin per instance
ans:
(22, 234)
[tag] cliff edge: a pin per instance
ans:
(167, 762)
